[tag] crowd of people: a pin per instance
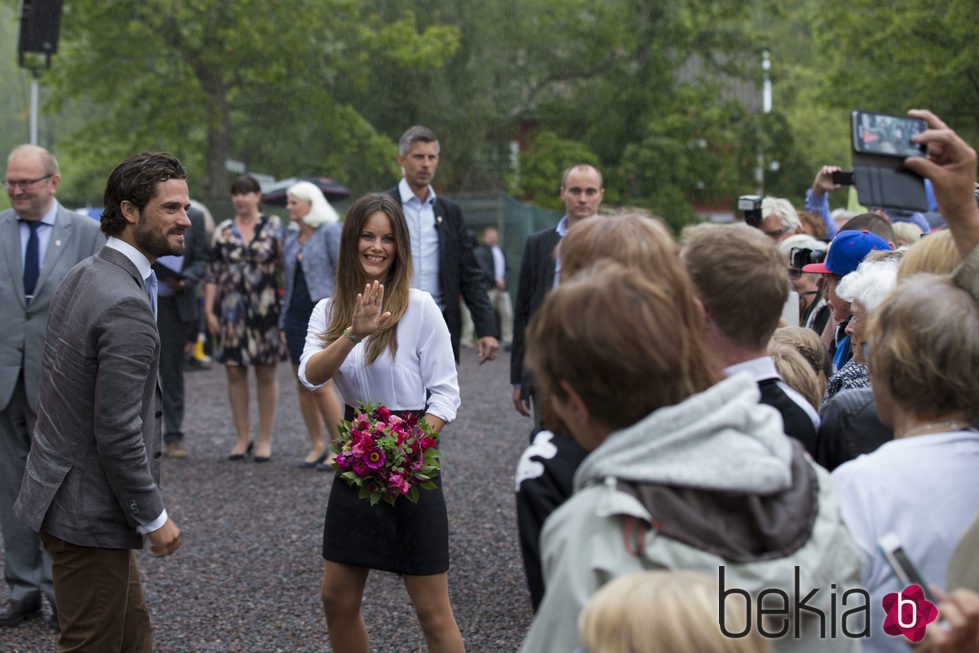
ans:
(717, 419)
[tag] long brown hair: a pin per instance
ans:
(351, 277)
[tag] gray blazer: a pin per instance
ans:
(320, 256)
(93, 472)
(74, 238)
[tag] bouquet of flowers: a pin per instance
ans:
(387, 456)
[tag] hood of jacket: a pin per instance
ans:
(718, 439)
(716, 472)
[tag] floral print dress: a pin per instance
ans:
(247, 301)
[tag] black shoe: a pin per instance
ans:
(241, 456)
(314, 464)
(262, 459)
(14, 612)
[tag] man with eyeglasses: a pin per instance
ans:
(779, 219)
(40, 241)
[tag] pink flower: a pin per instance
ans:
(360, 469)
(399, 483)
(383, 413)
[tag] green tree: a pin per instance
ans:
(892, 56)
(212, 80)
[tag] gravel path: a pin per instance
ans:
(248, 572)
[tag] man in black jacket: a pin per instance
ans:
(582, 190)
(441, 250)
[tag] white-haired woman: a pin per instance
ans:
(310, 263)
(865, 288)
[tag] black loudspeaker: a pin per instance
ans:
(40, 22)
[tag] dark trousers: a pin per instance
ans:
(99, 599)
(174, 334)
(26, 568)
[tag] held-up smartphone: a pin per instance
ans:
(901, 565)
(843, 177)
(884, 134)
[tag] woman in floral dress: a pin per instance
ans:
(241, 295)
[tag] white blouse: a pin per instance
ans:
(424, 362)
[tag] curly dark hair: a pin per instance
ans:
(134, 180)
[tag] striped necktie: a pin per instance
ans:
(152, 287)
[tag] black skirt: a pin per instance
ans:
(406, 538)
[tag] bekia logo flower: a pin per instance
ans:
(908, 613)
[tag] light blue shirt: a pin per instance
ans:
(422, 229)
(562, 231)
(43, 236)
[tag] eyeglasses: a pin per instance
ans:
(775, 232)
(24, 184)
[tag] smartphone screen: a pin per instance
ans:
(887, 135)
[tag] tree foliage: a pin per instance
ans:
(662, 97)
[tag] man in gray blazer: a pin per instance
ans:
(91, 484)
(39, 242)
(178, 323)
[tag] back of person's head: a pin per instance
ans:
(906, 233)
(875, 224)
(841, 216)
(812, 224)
(797, 372)
(320, 211)
(636, 240)
(624, 343)
(663, 612)
(740, 277)
(415, 134)
(936, 254)
(808, 343)
(783, 209)
(924, 345)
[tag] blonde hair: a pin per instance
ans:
(797, 372)
(906, 233)
(808, 343)
(662, 612)
(936, 254)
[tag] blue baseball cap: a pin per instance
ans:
(846, 252)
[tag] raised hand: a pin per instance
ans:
(368, 317)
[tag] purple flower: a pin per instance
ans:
(374, 458)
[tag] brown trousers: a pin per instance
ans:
(99, 599)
